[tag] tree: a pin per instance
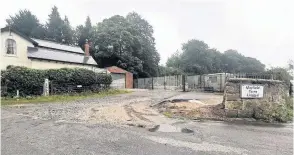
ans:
(27, 23)
(195, 58)
(238, 63)
(84, 32)
(174, 60)
(143, 32)
(114, 33)
(67, 32)
(54, 26)
(281, 74)
(198, 58)
(132, 45)
(168, 71)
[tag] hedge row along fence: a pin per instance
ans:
(30, 81)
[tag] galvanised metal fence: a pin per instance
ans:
(206, 82)
(166, 82)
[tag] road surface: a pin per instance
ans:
(55, 129)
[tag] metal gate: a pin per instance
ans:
(165, 82)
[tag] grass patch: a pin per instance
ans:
(61, 98)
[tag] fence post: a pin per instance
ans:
(152, 86)
(164, 82)
(46, 87)
(177, 81)
(17, 93)
(220, 82)
(184, 83)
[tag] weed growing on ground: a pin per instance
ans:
(168, 114)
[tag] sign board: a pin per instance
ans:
(251, 91)
(79, 86)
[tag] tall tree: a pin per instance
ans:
(143, 32)
(115, 45)
(236, 62)
(174, 60)
(84, 32)
(54, 26)
(195, 58)
(27, 23)
(198, 58)
(67, 32)
(133, 46)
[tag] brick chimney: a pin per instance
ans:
(87, 48)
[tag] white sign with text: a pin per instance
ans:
(251, 91)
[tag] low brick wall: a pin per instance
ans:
(274, 93)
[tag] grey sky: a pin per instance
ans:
(262, 29)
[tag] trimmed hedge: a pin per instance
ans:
(30, 81)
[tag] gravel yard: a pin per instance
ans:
(86, 110)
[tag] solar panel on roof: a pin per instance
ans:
(58, 55)
(50, 44)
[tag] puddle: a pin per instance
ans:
(169, 128)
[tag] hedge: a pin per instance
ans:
(30, 81)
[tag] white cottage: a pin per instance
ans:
(20, 50)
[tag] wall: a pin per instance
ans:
(44, 64)
(20, 59)
(129, 80)
(260, 108)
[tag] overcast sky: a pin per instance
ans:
(262, 29)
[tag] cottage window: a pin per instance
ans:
(10, 47)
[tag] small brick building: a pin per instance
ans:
(120, 77)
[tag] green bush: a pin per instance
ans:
(278, 112)
(30, 81)
(27, 81)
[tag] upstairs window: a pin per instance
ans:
(10, 47)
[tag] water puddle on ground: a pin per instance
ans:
(169, 128)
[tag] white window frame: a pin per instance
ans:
(12, 46)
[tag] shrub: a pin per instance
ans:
(278, 112)
(30, 81)
(27, 81)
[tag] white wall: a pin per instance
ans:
(21, 58)
(44, 64)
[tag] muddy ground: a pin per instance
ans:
(145, 112)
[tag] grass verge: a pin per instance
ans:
(61, 98)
